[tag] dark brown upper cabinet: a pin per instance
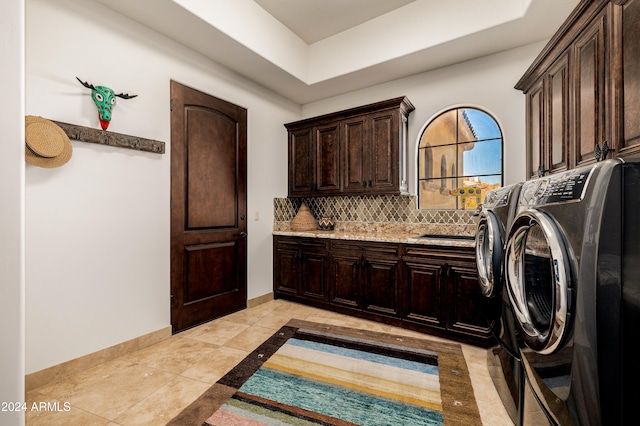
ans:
(361, 150)
(581, 91)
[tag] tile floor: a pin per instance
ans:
(152, 385)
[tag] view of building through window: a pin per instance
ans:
(459, 159)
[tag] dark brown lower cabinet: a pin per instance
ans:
(365, 276)
(300, 267)
(430, 289)
(443, 294)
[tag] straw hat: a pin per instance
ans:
(47, 145)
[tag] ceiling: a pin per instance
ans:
(315, 20)
(307, 50)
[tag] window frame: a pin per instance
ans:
(420, 153)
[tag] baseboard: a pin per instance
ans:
(60, 371)
(252, 303)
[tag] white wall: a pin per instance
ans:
(97, 229)
(12, 309)
(486, 82)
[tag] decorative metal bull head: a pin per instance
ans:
(105, 99)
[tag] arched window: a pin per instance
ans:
(468, 144)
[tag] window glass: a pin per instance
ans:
(459, 159)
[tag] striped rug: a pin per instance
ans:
(309, 374)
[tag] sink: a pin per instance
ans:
(449, 237)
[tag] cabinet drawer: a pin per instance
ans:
(450, 254)
(388, 249)
(307, 243)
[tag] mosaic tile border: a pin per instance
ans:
(378, 211)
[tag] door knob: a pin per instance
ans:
(242, 234)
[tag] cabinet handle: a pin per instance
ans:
(445, 272)
(541, 171)
(601, 153)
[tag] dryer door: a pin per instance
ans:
(539, 281)
(489, 245)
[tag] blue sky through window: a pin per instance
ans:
(486, 156)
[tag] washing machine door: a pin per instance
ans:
(539, 282)
(489, 258)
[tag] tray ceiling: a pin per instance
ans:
(307, 50)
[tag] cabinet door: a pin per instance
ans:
(466, 314)
(285, 268)
(380, 285)
(301, 162)
(558, 116)
(383, 152)
(327, 139)
(423, 300)
(630, 143)
(535, 130)
(589, 91)
(548, 125)
(354, 148)
(344, 288)
(313, 270)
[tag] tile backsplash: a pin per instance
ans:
(377, 210)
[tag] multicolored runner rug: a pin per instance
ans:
(316, 374)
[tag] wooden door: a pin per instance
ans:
(630, 55)
(344, 289)
(354, 141)
(535, 130)
(327, 139)
(380, 277)
(383, 152)
(590, 113)
(314, 259)
(558, 116)
(301, 162)
(286, 273)
(465, 300)
(423, 302)
(208, 207)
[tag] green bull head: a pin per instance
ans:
(105, 100)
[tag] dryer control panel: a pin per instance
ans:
(563, 188)
(499, 196)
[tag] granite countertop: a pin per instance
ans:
(395, 236)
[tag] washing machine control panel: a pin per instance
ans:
(562, 188)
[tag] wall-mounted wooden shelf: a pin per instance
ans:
(88, 134)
